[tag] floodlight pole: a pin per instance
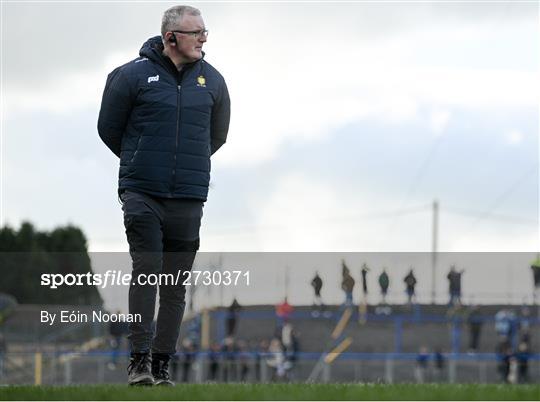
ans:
(287, 281)
(434, 252)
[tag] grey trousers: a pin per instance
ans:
(163, 237)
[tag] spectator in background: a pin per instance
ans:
(278, 361)
(410, 285)
(243, 359)
(291, 353)
(365, 270)
(287, 336)
(188, 354)
(422, 360)
(283, 313)
(347, 284)
(232, 317)
(318, 305)
(505, 324)
(522, 356)
(525, 325)
(474, 321)
(294, 346)
(289, 340)
(440, 364)
(454, 285)
(228, 350)
(214, 358)
(262, 350)
(117, 331)
(384, 283)
(504, 354)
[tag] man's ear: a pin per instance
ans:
(172, 39)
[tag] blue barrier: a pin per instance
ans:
(398, 320)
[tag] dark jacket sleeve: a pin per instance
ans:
(221, 115)
(115, 109)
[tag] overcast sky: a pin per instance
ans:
(348, 121)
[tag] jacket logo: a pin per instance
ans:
(153, 79)
(201, 81)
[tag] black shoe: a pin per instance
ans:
(139, 372)
(160, 369)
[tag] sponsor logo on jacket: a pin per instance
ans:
(201, 81)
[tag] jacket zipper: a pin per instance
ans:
(136, 149)
(178, 99)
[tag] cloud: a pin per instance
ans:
(296, 213)
(299, 82)
(65, 94)
(489, 239)
(303, 213)
(439, 120)
(69, 38)
(361, 65)
(299, 205)
(514, 137)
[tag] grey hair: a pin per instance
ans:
(173, 15)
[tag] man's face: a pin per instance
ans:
(189, 46)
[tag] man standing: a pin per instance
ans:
(232, 317)
(410, 284)
(347, 284)
(317, 284)
(475, 322)
(163, 114)
(283, 313)
(364, 273)
(454, 286)
(384, 283)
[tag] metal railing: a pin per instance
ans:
(101, 367)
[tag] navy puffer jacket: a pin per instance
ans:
(164, 125)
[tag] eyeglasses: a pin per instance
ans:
(194, 34)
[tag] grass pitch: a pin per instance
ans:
(244, 392)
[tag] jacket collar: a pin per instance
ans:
(153, 49)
